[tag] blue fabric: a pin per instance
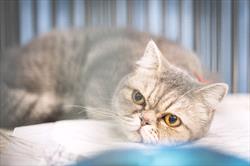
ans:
(165, 156)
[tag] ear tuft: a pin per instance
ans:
(213, 94)
(152, 58)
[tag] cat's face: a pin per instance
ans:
(160, 103)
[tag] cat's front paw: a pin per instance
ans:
(149, 134)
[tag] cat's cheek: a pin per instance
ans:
(134, 137)
(163, 135)
(131, 124)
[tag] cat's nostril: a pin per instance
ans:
(144, 122)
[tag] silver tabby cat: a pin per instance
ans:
(152, 93)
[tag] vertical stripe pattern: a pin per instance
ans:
(217, 30)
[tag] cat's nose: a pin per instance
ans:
(148, 118)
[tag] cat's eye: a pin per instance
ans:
(138, 97)
(172, 120)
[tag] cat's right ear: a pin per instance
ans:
(152, 58)
(212, 94)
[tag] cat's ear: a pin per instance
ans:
(152, 58)
(212, 94)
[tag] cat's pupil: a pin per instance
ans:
(172, 119)
(138, 96)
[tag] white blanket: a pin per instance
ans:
(63, 142)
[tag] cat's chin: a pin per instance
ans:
(149, 134)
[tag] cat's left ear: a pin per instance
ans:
(212, 94)
(152, 58)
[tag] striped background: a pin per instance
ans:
(218, 30)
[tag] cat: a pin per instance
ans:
(148, 85)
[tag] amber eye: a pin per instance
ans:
(138, 97)
(172, 120)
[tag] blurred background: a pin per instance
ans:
(218, 30)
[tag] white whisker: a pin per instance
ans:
(96, 111)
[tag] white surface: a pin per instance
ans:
(62, 142)
(230, 129)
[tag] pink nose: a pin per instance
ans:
(148, 118)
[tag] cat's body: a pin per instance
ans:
(45, 79)
(62, 66)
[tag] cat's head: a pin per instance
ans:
(160, 103)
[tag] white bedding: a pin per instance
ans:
(62, 142)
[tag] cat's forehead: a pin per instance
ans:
(170, 79)
(163, 99)
(142, 82)
(161, 90)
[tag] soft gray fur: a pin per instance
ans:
(58, 73)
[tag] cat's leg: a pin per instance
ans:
(20, 107)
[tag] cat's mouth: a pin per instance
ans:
(149, 134)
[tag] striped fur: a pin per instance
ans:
(96, 70)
